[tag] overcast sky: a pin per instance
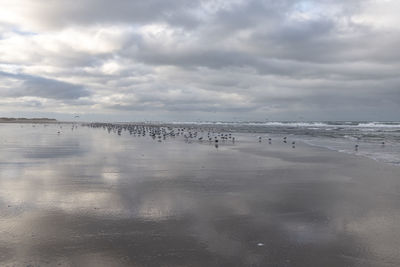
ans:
(189, 60)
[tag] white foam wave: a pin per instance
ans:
(379, 125)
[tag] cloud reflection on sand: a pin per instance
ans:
(134, 201)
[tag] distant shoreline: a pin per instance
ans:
(27, 120)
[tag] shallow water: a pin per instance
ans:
(85, 197)
(339, 136)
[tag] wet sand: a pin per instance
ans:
(89, 198)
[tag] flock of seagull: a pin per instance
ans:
(190, 134)
(160, 133)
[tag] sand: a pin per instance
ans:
(89, 198)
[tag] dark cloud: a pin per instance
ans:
(28, 85)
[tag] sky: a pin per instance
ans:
(200, 60)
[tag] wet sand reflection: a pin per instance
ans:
(90, 199)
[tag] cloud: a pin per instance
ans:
(212, 59)
(37, 15)
(21, 85)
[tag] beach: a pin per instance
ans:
(86, 197)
